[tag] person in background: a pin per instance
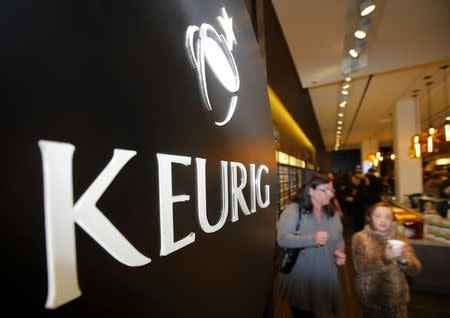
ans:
(341, 185)
(335, 201)
(357, 200)
(444, 188)
(312, 288)
(432, 185)
(380, 281)
(375, 187)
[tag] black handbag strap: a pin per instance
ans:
(297, 228)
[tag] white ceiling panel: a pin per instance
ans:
(409, 40)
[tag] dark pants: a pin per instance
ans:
(298, 313)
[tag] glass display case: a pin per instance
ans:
(290, 180)
(291, 173)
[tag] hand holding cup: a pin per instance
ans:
(394, 249)
(321, 237)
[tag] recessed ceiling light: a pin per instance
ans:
(353, 53)
(363, 28)
(366, 7)
(342, 104)
(344, 92)
(359, 47)
(360, 34)
(346, 85)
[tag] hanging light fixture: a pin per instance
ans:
(431, 130)
(417, 146)
(447, 129)
(430, 137)
(447, 119)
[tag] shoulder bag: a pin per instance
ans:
(289, 256)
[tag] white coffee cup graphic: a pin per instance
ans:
(206, 47)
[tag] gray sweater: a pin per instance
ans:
(313, 283)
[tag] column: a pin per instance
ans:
(368, 147)
(408, 171)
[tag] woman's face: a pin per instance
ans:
(322, 194)
(381, 220)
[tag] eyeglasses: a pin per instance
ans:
(327, 191)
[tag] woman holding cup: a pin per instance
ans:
(382, 258)
(312, 288)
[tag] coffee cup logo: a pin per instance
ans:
(205, 44)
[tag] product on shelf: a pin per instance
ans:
(437, 228)
(408, 223)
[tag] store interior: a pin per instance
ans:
(152, 146)
(396, 79)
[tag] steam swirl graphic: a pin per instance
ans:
(205, 44)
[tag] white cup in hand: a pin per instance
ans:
(396, 247)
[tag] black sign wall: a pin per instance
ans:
(178, 87)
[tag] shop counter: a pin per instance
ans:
(433, 254)
(435, 259)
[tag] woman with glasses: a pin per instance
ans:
(312, 287)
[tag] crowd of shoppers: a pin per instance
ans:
(312, 288)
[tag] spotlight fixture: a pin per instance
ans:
(447, 130)
(348, 79)
(360, 46)
(366, 7)
(344, 92)
(346, 86)
(364, 25)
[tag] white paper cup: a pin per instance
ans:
(397, 246)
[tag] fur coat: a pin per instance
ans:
(381, 283)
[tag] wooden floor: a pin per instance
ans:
(422, 305)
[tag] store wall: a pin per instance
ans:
(345, 160)
(283, 79)
(125, 196)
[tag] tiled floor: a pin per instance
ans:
(422, 305)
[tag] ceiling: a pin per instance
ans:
(409, 39)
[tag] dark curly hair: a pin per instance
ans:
(303, 198)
